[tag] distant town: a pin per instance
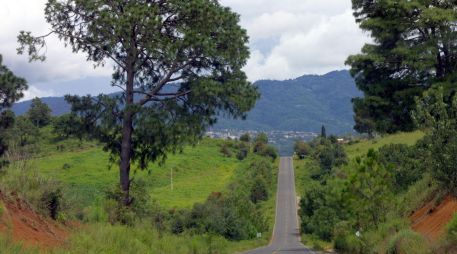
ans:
(283, 140)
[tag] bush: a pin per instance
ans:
(243, 151)
(404, 162)
(331, 155)
(451, 229)
(258, 147)
(245, 137)
(268, 151)
(262, 168)
(261, 138)
(302, 149)
(224, 216)
(259, 190)
(225, 150)
(319, 213)
(407, 241)
(51, 201)
(349, 244)
(440, 150)
(140, 207)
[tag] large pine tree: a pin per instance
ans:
(414, 48)
(177, 63)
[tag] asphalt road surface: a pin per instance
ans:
(286, 235)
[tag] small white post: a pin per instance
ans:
(171, 178)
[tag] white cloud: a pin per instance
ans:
(305, 36)
(289, 38)
(33, 92)
(61, 64)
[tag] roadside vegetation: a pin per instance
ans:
(222, 196)
(358, 197)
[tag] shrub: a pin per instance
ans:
(245, 137)
(243, 151)
(261, 138)
(350, 244)
(331, 155)
(302, 149)
(218, 215)
(51, 201)
(259, 190)
(140, 207)
(225, 150)
(268, 151)
(258, 147)
(404, 162)
(407, 241)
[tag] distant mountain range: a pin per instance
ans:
(302, 104)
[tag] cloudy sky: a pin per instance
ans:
(288, 38)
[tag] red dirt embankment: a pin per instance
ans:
(28, 227)
(431, 220)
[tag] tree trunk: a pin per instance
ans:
(126, 146)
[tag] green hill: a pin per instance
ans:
(197, 172)
(302, 104)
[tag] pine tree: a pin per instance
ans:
(413, 49)
(178, 65)
(39, 113)
(323, 132)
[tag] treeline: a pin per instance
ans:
(362, 204)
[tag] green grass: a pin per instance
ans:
(362, 147)
(197, 172)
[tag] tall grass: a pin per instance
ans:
(7, 246)
(407, 241)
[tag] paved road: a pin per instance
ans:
(286, 236)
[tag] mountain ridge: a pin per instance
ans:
(304, 103)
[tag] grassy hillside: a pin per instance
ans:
(197, 172)
(361, 147)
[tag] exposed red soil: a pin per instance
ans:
(26, 226)
(431, 220)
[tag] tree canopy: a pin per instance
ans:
(11, 87)
(39, 113)
(11, 90)
(177, 63)
(414, 47)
